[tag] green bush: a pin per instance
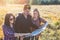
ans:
(52, 32)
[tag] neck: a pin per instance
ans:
(11, 25)
(25, 15)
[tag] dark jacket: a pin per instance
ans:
(8, 33)
(23, 25)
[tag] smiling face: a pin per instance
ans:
(27, 11)
(35, 15)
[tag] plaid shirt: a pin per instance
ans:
(8, 33)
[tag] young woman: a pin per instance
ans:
(37, 20)
(8, 27)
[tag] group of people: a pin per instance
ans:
(23, 23)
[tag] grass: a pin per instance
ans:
(49, 12)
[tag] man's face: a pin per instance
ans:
(27, 11)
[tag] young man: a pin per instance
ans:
(23, 23)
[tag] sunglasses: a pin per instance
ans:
(11, 19)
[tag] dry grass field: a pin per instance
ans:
(49, 12)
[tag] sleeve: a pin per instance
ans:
(45, 22)
(7, 32)
(42, 20)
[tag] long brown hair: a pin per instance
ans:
(7, 19)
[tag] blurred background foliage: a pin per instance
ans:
(45, 2)
(52, 32)
(51, 13)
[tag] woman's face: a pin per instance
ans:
(35, 14)
(11, 19)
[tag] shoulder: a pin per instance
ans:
(19, 15)
(30, 16)
(41, 18)
(4, 26)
